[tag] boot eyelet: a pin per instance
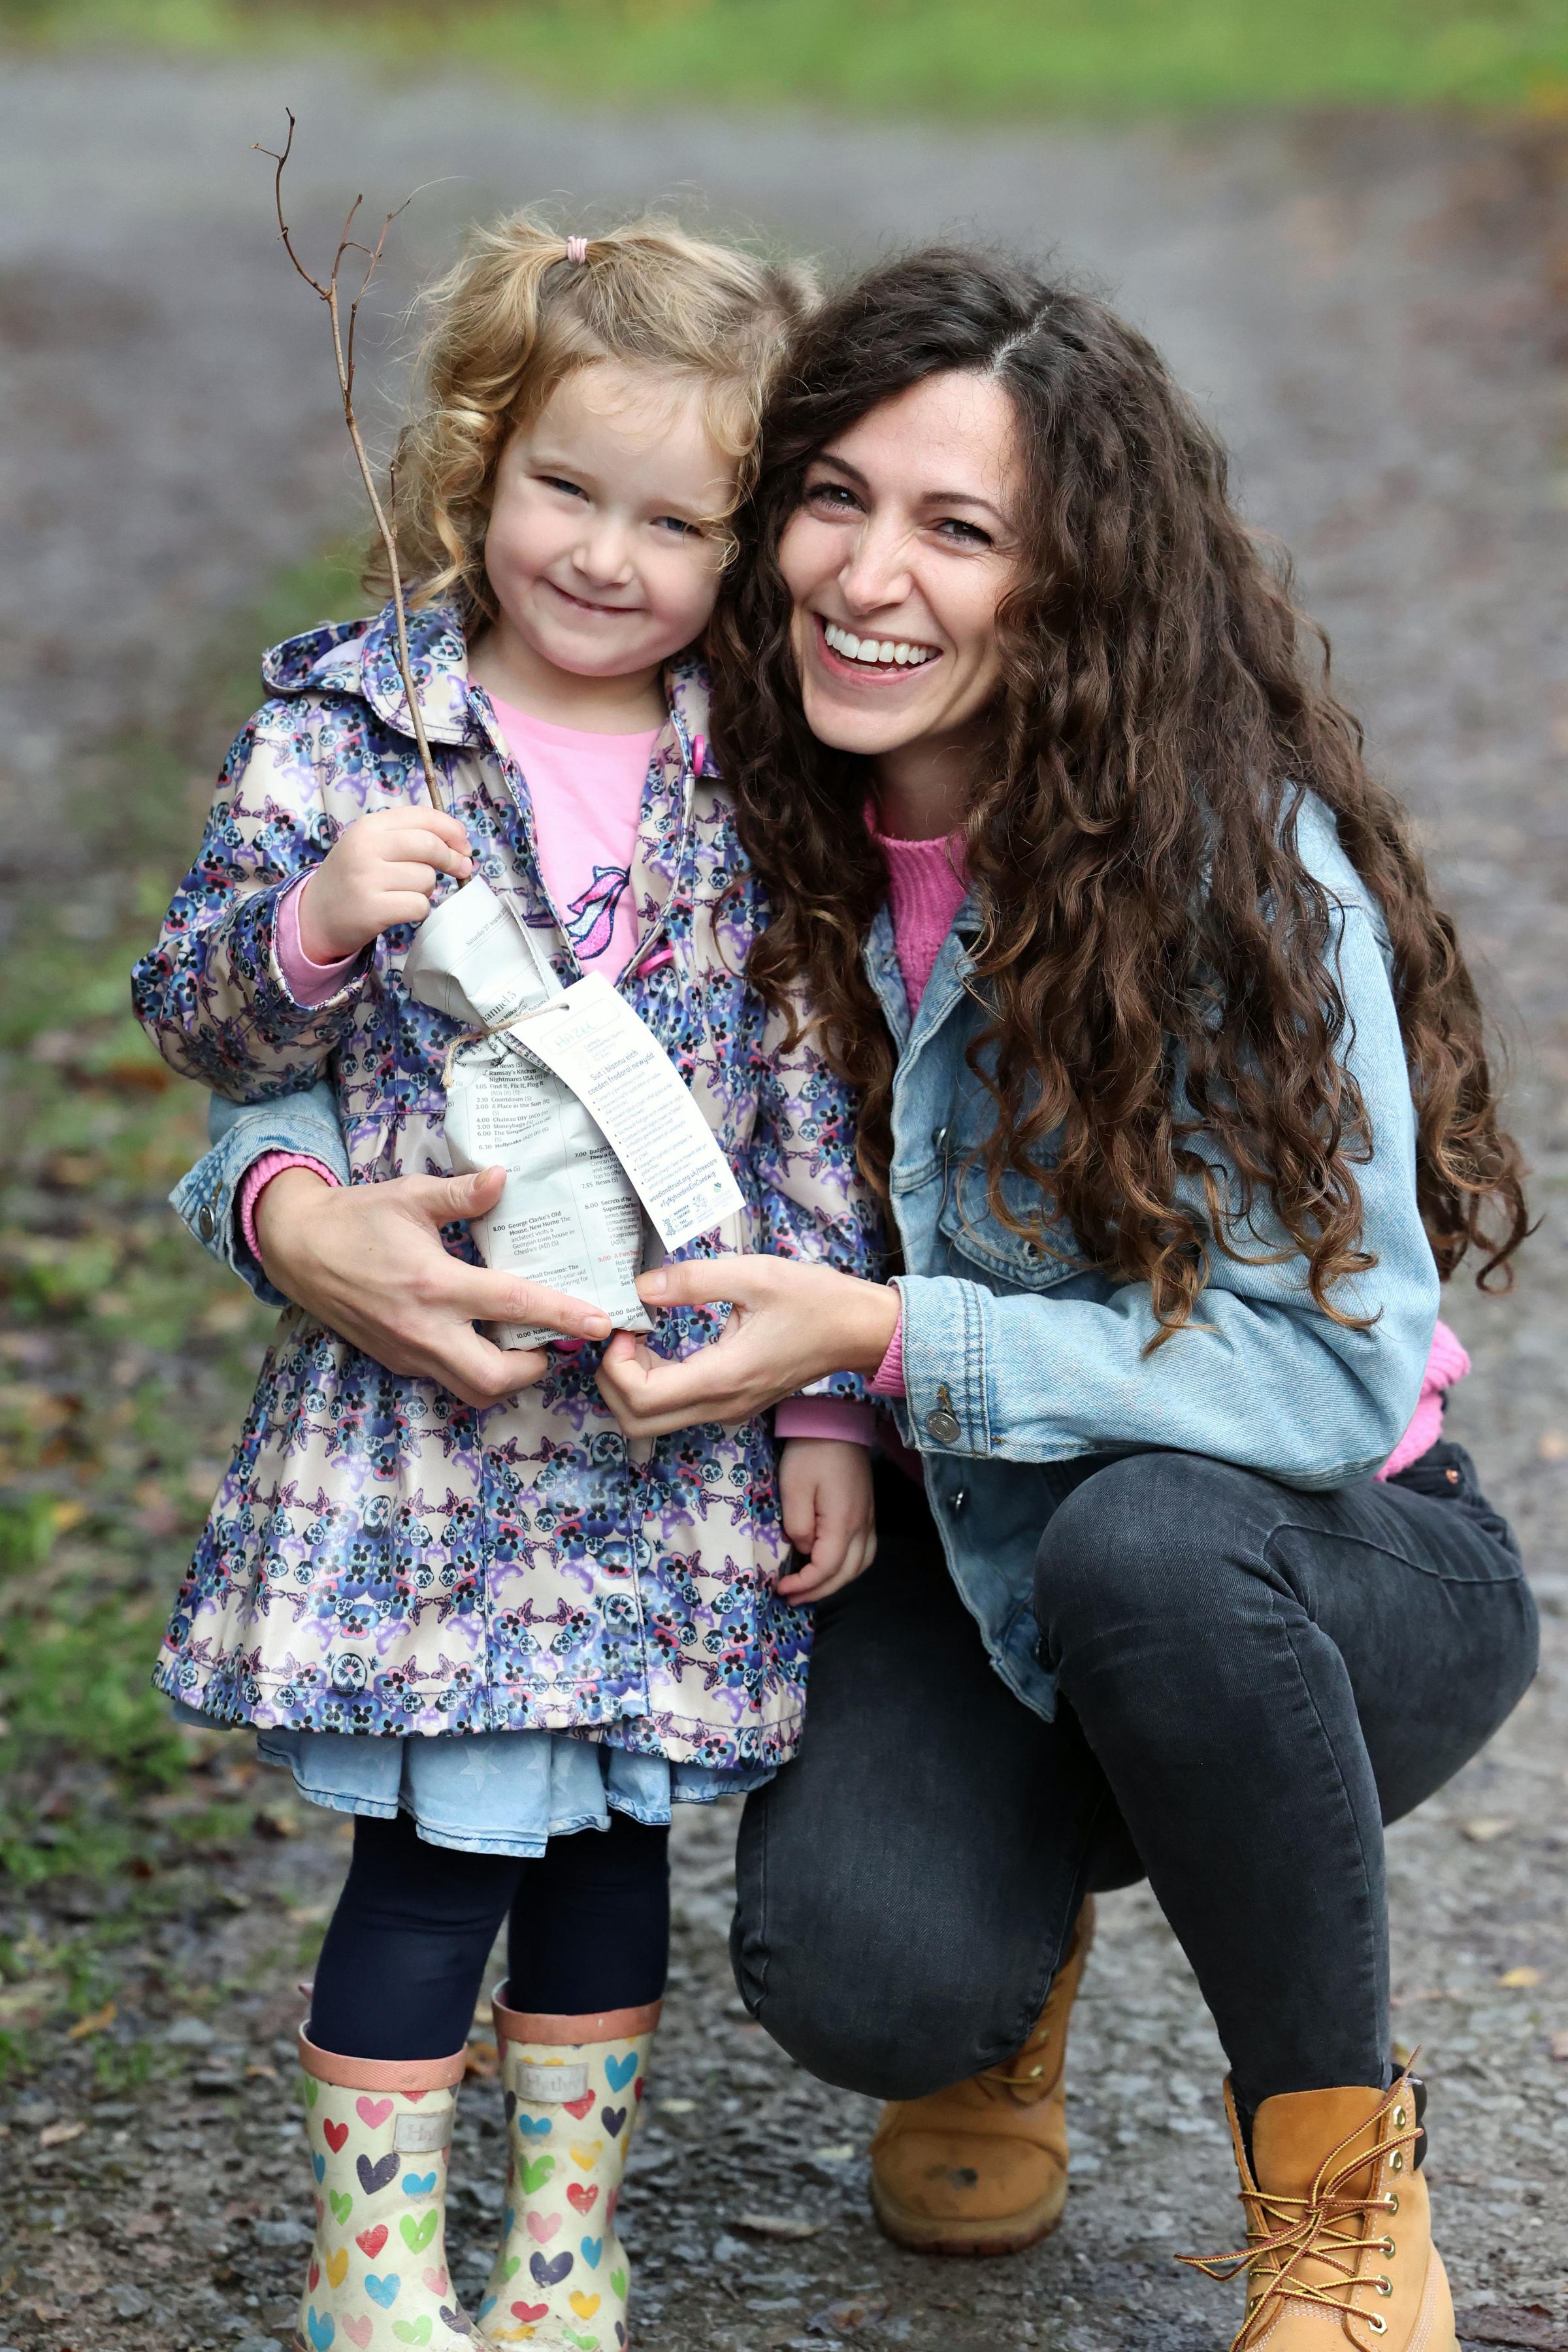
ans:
(1378, 2327)
(1391, 2202)
(1396, 2161)
(1034, 2074)
(1385, 2286)
(1387, 2249)
(1399, 2119)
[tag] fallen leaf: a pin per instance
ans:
(1559, 2045)
(1520, 1979)
(482, 2061)
(846, 2318)
(678, 2107)
(95, 2023)
(840, 2154)
(270, 1822)
(30, 2003)
(778, 2225)
(261, 2073)
(56, 2134)
(1489, 1826)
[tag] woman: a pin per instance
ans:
(1173, 1080)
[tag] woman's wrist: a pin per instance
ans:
(274, 1213)
(874, 1310)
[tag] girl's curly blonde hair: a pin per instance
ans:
(523, 308)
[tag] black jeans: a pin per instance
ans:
(1253, 1681)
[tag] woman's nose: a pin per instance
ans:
(878, 572)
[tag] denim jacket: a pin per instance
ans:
(1017, 1357)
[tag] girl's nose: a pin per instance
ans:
(603, 555)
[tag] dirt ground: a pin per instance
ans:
(1372, 312)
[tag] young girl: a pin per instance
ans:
(481, 1632)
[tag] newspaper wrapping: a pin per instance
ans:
(606, 1155)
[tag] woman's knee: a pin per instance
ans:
(855, 1992)
(1144, 1530)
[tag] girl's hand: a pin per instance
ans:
(791, 1324)
(824, 1492)
(367, 1260)
(380, 871)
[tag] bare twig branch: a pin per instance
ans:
(344, 355)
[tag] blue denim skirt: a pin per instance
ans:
(491, 1792)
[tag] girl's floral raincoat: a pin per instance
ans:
(382, 1558)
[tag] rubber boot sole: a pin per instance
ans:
(923, 2235)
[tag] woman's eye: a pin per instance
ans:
(966, 534)
(832, 497)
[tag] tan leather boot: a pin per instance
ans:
(982, 2167)
(1338, 2236)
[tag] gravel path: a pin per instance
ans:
(1368, 313)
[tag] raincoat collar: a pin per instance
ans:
(359, 658)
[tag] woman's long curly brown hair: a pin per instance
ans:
(1155, 957)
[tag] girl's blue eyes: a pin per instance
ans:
(661, 522)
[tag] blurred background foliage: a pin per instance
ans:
(1001, 59)
(127, 1356)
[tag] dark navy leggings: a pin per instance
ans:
(403, 1960)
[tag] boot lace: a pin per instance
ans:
(1333, 2227)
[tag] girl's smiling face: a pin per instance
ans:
(896, 561)
(603, 550)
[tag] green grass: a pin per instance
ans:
(127, 1356)
(995, 59)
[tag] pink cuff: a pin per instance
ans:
(815, 1416)
(258, 1177)
(889, 1379)
(307, 983)
(1447, 1363)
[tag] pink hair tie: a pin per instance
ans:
(576, 248)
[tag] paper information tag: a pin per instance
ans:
(619, 1070)
(574, 1097)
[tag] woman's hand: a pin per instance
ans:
(381, 870)
(791, 1324)
(367, 1260)
(824, 1495)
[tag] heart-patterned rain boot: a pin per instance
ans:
(982, 2167)
(1339, 2248)
(573, 2084)
(380, 2130)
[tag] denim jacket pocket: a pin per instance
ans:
(971, 1227)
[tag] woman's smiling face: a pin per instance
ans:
(903, 546)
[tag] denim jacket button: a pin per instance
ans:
(959, 1498)
(943, 1425)
(206, 1224)
(938, 1139)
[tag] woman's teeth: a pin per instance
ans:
(876, 650)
